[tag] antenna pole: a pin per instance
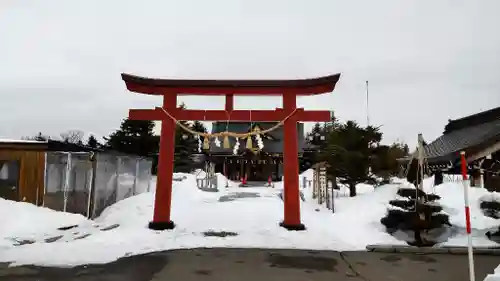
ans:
(367, 106)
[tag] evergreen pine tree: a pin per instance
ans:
(186, 145)
(197, 126)
(381, 163)
(348, 152)
(417, 213)
(92, 142)
(183, 155)
(314, 137)
(385, 160)
(317, 140)
(134, 137)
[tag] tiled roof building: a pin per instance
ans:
(479, 136)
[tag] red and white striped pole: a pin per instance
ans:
(465, 182)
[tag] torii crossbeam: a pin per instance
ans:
(171, 89)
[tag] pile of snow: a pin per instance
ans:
(253, 213)
(24, 221)
(222, 181)
(490, 197)
(342, 191)
(495, 276)
(452, 201)
(179, 176)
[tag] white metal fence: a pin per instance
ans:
(87, 183)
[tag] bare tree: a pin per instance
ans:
(73, 136)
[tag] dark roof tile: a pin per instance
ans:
(447, 146)
(472, 120)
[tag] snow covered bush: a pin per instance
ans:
(490, 206)
(416, 217)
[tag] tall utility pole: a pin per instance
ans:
(367, 106)
(368, 122)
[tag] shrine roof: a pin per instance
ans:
(273, 141)
(153, 86)
(472, 134)
(471, 139)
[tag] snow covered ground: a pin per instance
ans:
(452, 201)
(252, 213)
(494, 276)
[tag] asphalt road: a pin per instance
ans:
(264, 264)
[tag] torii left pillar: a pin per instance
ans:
(163, 195)
(168, 113)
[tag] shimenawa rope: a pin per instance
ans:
(231, 134)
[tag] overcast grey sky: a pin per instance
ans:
(427, 61)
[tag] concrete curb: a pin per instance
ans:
(493, 251)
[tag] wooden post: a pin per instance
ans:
(163, 196)
(67, 180)
(421, 156)
(315, 184)
(226, 173)
(291, 166)
(332, 203)
(229, 103)
(117, 175)
(136, 176)
(324, 185)
(242, 166)
(438, 177)
(205, 182)
(320, 187)
(481, 178)
(91, 184)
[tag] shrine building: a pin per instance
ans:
(257, 164)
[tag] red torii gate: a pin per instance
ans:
(170, 89)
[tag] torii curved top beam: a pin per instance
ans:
(153, 86)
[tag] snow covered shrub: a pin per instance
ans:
(490, 206)
(416, 217)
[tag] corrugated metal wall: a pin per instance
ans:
(87, 183)
(76, 182)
